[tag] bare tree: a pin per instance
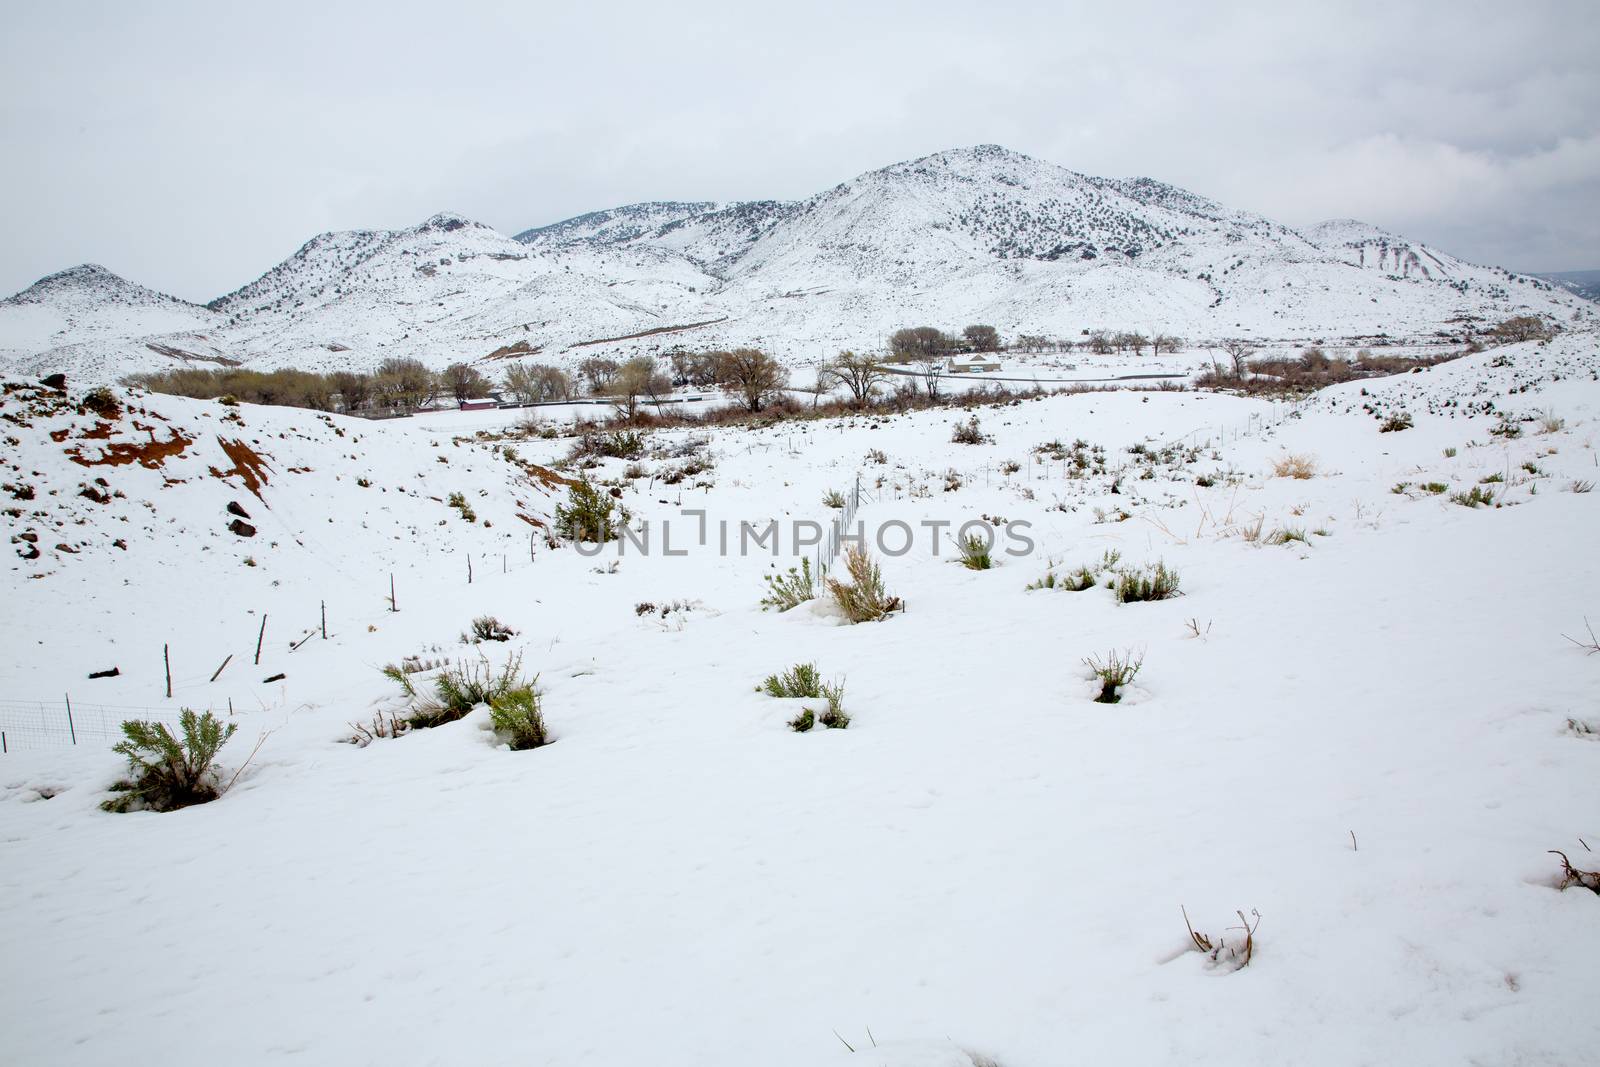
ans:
(982, 338)
(599, 372)
(861, 375)
(403, 383)
(637, 379)
(1238, 351)
(1165, 343)
(916, 342)
(463, 382)
(932, 369)
(753, 375)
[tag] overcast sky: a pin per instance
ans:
(190, 147)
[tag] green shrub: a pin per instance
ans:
(590, 514)
(1116, 672)
(1284, 535)
(168, 772)
(517, 715)
(459, 502)
(459, 689)
(863, 599)
(790, 589)
(803, 721)
(1152, 582)
(1474, 497)
(1434, 487)
(801, 680)
(1400, 420)
(974, 553)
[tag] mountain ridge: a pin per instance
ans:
(978, 234)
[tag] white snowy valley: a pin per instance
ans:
(1267, 730)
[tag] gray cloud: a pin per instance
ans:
(192, 146)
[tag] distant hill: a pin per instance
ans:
(1585, 283)
(970, 235)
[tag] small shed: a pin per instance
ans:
(974, 363)
(488, 403)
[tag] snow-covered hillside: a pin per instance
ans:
(970, 235)
(1359, 730)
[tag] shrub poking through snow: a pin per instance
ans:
(1572, 876)
(1286, 534)
(1296, 466)
(517, 715)
(801, 680)
(968, 433)
(1114, 673)
(169, 772)
(1400, 420)
(488, 628)
(459, 502)
(833, 499)
(863, 598)
(103, 402)
(459, 689)
(1473, 497)
(974, 553)
(790, 589)
(1232, 952)
(1151, 582)
(590, 514)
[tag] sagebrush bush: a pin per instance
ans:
(1474, 497)
(975, 555)
(103, 402)
(1400, 420)
(790, 589)
(968, 433)
(833, 498)
(460, 688)
(805, 682)
(1151, 582)
(488, 628)
(863, 598)
(1295, 466)
(801, 680)
(459, 502)
(169, 772)
(517, 714)
(1114, 673)
(590, 514)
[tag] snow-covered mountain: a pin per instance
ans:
(968, 235)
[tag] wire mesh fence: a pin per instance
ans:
(35, 724)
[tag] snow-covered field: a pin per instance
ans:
(1369, 737)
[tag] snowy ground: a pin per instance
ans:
(1370, 742)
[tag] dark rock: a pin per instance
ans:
(235, 509)
(58, 382)
(242, 528)
(112, 673)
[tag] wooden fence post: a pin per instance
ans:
(259, 636)
(166, 659)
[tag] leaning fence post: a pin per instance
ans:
(259, 636)
(3, 747)
(71, 729)
(166, 659)
(324, 604)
